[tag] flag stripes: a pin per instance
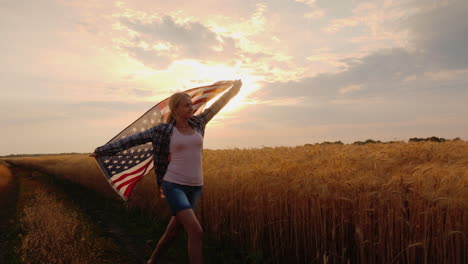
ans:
(126, 168)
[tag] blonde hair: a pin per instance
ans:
(174, 102)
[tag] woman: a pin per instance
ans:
(177, 147)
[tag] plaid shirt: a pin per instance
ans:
(160, 136)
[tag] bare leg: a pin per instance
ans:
(195, 234)
(171, 233)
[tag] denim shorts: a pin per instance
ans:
(181, 197)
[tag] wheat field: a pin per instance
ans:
(374, 203)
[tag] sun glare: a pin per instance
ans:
(250, 84)
(186, 74)
(191, 73)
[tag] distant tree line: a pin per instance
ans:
(371, 141)
(433, 139)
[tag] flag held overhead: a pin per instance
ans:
(124, 169)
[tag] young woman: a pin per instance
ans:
(177, 147)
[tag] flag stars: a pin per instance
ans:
(129, 159)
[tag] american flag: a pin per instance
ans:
(127, 167)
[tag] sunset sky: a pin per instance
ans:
(75, 73)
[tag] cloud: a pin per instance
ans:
(376, 19)
(188, 40)
(255, 37)
(440, 37)
(379, 72)
(415, 101)
(442, 34)
(315, 14)
(426, 80)
(150, 57)
(350, 88)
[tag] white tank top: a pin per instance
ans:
(185, 166)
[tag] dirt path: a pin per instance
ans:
(134, 233)
(8, 201)
(13, 197)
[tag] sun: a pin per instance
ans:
(203, 74)
(186, 74)
(242, 100)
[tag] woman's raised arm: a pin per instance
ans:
(210, 112)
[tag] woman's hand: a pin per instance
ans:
(237, 85)
(161, 193)
(94, 155)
